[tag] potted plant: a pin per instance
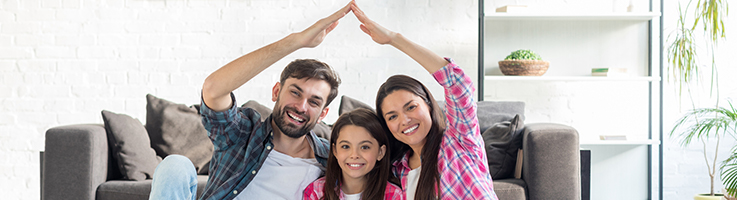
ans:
(711, 123)
(523, 62)
(703, 123)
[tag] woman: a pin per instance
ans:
(432, 161)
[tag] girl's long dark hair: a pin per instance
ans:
(429, 183)
(377, 178)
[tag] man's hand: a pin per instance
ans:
(378, 33)
(315, 34)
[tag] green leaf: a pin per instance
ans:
(523, 54)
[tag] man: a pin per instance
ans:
(272, 159)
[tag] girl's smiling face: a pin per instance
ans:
(357, 152)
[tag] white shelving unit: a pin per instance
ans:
(575, 42)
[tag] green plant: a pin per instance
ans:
(523, 54)
(705, 123)
(729, 166)
(729, 173)
(682, 51)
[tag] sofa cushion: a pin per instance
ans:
(510, 189)
(129, 146)
(135, 190)
(348, 104)
(261, 109)
(492, 112)
(322, 130)
(177, 129)
(502, 142)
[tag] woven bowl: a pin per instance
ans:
(523, 67)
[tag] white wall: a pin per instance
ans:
(63, 61)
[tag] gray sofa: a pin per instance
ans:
(77, 163)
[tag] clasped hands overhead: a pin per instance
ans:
(315, 34)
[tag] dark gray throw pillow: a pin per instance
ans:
(348, 104)
(493, 112)
(177, 129)
(502, 142)
(129, 145)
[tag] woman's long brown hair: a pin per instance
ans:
(429, 183)
(377, 178)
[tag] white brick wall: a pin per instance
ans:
(63, 61)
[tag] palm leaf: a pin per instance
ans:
(729, 173)
(705, 123)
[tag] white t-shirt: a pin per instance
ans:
(413, 177)
(353, 196)
(282, 177)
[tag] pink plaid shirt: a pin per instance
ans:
(314, 191)
(462, 163)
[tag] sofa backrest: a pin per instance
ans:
(492, 112)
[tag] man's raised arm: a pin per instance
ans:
(218, 86)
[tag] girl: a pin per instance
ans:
(432, 161)
(356, 168)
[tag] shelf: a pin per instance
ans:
(568, 78)
(619, 142)
(572, 16)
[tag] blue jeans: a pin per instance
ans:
(174, 178)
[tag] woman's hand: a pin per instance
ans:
(315, 34)
(428, 59)
(378, 33)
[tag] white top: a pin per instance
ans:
(353, 196)
(282, 177)
(413, 177)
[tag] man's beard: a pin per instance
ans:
(290, 129)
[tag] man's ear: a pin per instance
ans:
(275, 91)
(323, 113)
(382, 151)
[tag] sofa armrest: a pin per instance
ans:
(75, 161)
(551, 161)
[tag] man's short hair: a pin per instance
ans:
(311, 68)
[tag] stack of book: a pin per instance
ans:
(613, 137)
(512, 9)
(609, 71)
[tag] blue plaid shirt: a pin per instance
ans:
(242, 142)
